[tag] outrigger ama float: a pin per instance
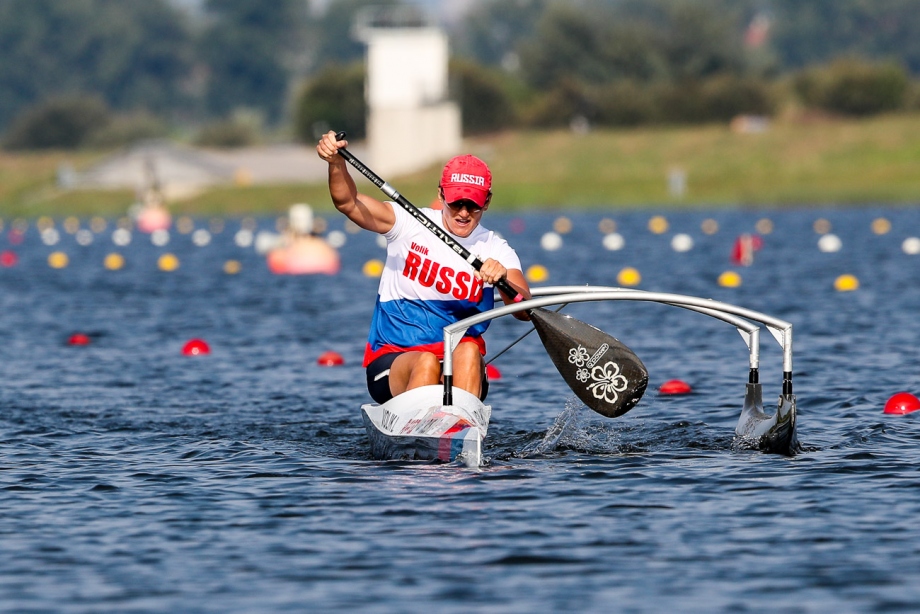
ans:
(448, 424)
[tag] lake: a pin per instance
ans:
(136, 479)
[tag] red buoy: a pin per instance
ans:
(493, 373)
(78, 339)
(675, 386)
(330, 359)
(902, 403)
(195, 347)
(8, 258)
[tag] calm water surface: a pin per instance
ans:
(138, 480)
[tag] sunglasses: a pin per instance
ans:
(469, 205)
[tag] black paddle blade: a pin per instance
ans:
(605, 374)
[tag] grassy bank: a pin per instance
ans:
(794, 162)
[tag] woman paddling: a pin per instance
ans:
(425, 285)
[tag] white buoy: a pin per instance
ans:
(159, 237)
(682, 243)
(243, 238)
(613, 241)
(267, 241)
(121, 237)
(829, 243)
(551, 241)
(50, 236)
(337, 238)
(911, 246)
(201, 237)
(381, 242)
(84, 237)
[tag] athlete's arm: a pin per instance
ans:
(365, 211)
(492, 270)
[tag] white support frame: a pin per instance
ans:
(555, 295)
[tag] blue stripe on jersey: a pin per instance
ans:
(409, 323)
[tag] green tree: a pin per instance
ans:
(63, 123)
(333, 31)
(646, 40)
(492, 32)
(333, 100)
(485, 103)
(819, 31)
(245, 48)
(135, 55)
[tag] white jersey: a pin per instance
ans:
(426, 286)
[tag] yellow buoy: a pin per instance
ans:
(822, 226)
(629, 277)
(168, 262)
(729, 279)
(709, 226)
(43, 223)
(71, 225)
(537, 273)
(562, 225)
(658, 225)
(372, 268)
(58, 260)
(114, 261)
(232, 267)
(846, 283)
(881, 226)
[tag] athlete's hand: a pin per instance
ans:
(492, 271)
(328, 148)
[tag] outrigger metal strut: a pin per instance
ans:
(772, 433)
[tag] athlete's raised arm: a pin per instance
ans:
(365, 211)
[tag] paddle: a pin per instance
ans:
(605, 374)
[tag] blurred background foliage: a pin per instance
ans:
(228, 73)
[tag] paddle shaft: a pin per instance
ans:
(502, 284)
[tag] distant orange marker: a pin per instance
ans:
(330, 359)
(675, 386)
(195, 347)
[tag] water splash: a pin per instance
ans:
(570, 430)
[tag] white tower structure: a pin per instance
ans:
(411, 124)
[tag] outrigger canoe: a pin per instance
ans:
(416, 425)
(449, 424)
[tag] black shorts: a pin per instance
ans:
(378, 379)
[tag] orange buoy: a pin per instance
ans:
(305, 256)
(8, 258)
(902, 403)
(195, 347)
(330, 359)
(153, 218)
(78, 339)
(492, 373)
(675, 386)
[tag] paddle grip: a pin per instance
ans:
(502, 284)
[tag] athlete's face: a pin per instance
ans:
(461, 217)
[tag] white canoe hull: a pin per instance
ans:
(416, 425)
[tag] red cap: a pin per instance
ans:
(466, 178)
